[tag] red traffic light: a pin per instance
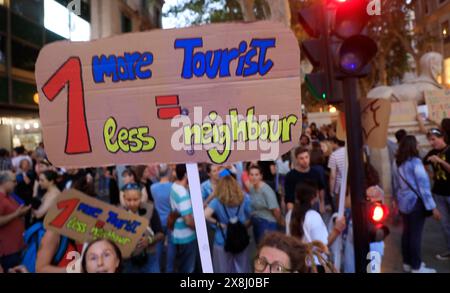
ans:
(378, 213)
(351, 18)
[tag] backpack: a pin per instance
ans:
(237, 238)
(32, 238)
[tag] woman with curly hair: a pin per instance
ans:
(279, 253)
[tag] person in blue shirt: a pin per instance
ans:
(184, 235)
(229, 201)
(415, 200)
(207, 189)
(209, 185)
(161, 197)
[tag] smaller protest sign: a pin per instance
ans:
(375, 117)
(438, 103)
(83, 219)
(340, 127)
(403, 112)
(423, 111)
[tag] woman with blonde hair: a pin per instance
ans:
(232, 219)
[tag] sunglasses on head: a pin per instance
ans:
(434, 131)
(131, 186)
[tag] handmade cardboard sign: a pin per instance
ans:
(403, 112)
(375, 121)
(438, 103)
(423, 111)
(83, 219)
(218, 93)
(340, 127)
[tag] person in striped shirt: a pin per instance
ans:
(336, 165)
(184, 236)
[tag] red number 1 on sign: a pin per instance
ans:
(70, 73)
(67, 207)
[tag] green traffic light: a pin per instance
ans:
(312, 89)
(324, 96)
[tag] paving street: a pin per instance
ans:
(433, 242)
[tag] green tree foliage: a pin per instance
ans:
(206, 11)
(213, 11)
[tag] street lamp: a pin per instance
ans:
(36, 98)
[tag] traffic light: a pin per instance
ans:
(352, 49)
(338, 47)
(321, 82)
(378, 214)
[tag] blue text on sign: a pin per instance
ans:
(217, 62)
(130, 66)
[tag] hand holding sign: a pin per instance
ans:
(84, 218)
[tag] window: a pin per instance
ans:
(59, 20)
(26, 30)
(23, 92)
(85, 8)
(3, 90)
(126, 23)
(2, 19)
(2, 50)
(52, 37)
(23, 56)
(30, 9)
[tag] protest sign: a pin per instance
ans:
(438, 103)
(403, 112)
(375, 121)
(83, 219)
(423, 111)
(218, 93)
(340, 127)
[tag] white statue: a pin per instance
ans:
(413, 89)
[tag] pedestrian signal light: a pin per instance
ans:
(378, 213)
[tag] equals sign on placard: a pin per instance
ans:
(170, 106)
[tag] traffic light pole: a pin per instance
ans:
(356, 173)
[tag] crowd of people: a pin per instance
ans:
(421, 189)
(262, 216)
